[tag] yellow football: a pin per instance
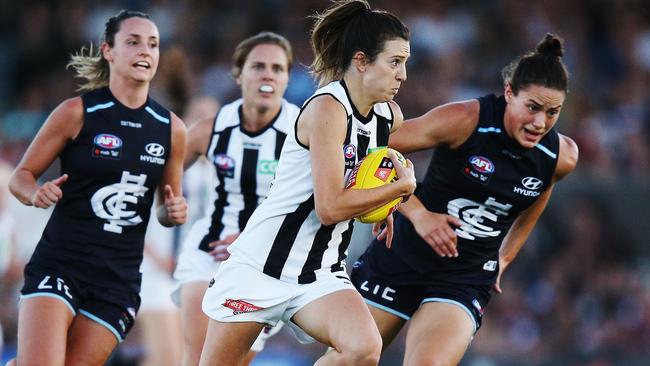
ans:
(375, 170)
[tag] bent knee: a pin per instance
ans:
(362, 351)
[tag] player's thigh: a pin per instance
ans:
(193, 321)
(43, 324)
(340, 319)
(89, 342)
(453, 328)
(227, 343)
(161, 336)
(388, 324)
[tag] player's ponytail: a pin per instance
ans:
(544, 67)
(89, 64)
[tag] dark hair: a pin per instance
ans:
(345, 28)
(89, 64)
(543, 67)
(246, 46)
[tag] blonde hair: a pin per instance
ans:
(89, 64)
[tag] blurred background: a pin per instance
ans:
(579, 292)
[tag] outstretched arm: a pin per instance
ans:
(449, 124)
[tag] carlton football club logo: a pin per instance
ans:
(477, 218)
(110, 202)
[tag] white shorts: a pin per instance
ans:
(194, 265)
(242, 293)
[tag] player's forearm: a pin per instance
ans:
(23, 185)
(412, 209)
(163, 217)
(512, 244)
(333, 207)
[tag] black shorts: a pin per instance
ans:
(403, 300)
(111, 308)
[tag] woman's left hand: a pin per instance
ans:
(175, 206)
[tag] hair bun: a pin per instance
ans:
(551, 45)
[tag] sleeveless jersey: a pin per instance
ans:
(96, 232)
(284, 237)
(244, 165)
(486, 183)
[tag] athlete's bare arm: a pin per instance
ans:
(322, 127)
(450, 124)
(172, 209)
(398, 116)
(62, 126)
(436, 229)
(198, 138)
(524, 224)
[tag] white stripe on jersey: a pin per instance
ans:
(241, 161)
(284, 237)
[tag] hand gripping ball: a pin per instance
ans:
(375, 170)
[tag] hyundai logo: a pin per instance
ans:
(154, 149)
(532, 183)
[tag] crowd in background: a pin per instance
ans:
(579, 293)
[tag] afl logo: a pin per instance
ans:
(224, 161)
(481, 164)
(350, 151)
(532, 183)
(108, 141)
(155, 149)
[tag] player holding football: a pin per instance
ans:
(491, 176)
(287, 264)
(243, 143)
